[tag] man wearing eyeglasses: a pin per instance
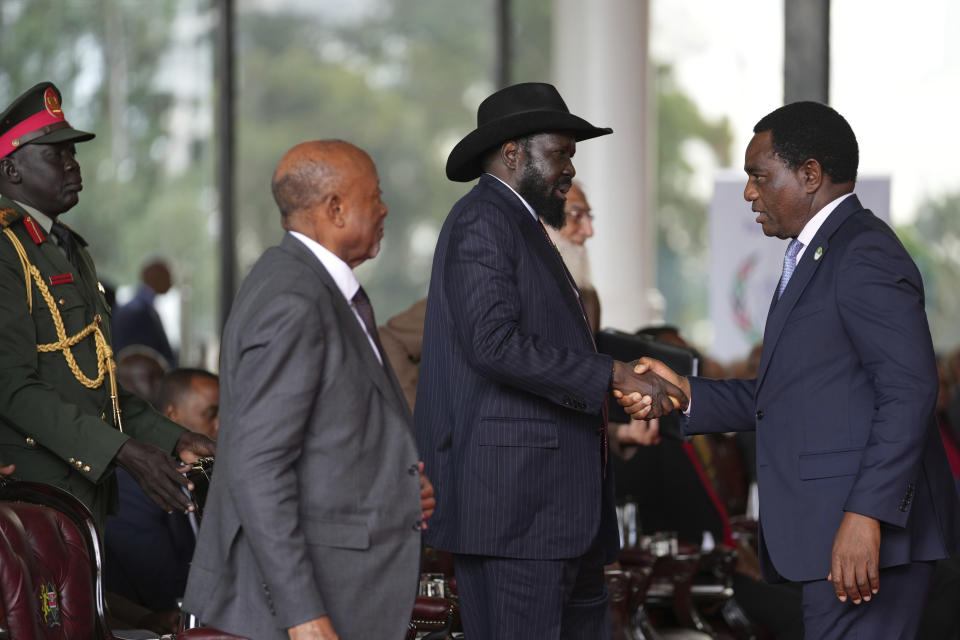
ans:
(570, 241)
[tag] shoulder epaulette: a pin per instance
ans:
(8, 216)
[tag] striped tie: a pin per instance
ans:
(789, 264)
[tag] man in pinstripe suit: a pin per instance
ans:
(510, 412)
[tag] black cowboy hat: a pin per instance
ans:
(517, 110)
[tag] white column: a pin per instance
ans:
(600, 66)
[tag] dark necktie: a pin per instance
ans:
(605, 410)
(362, 304)
(67, 242)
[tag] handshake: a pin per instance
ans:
(647, 388)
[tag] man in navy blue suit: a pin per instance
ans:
(511, 403)
(856, 498)
(148, 550)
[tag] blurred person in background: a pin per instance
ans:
(137, 321)
(570, 240)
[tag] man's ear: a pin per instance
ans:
(510, 154)
(171, 412)
(9, 170)
(333, 207)
(812, 175)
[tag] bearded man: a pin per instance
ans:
(511, 403)
(570, 240)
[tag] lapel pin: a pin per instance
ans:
(818, 253)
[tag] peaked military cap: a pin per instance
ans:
(36, 118)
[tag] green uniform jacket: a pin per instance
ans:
(52, 427)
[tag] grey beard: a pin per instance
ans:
(574, 256)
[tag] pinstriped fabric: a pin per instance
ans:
(504, 599)
(510, 391)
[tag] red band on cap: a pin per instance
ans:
(33, 123)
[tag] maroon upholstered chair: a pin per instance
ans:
(49, 566)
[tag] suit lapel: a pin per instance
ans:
(808, 265)
(535, 237)
(351, 326)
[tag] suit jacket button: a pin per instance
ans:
(416, 526)
(414, 469)
(759, 414)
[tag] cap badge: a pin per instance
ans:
(51, 103)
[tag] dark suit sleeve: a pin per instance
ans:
(881, 303)
(148, 550)
(402, 339)
(484, 294)
(278, 375)
(720, 406)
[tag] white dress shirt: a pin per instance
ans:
(813, 224)
(343, 276)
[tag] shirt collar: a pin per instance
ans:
(525, 203)
(339, 270)
(45, 221)
(813, 224)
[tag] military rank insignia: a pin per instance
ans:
(7, 215)
(50, 604)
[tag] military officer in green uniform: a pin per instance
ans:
(63, 420)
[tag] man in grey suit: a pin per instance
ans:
(312, 525)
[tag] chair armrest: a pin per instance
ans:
(206, 633)
(430, 614)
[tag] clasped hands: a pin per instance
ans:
(647, 388)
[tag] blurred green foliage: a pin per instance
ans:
(400, 78)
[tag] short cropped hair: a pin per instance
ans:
(177, 383)
(804, 130)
